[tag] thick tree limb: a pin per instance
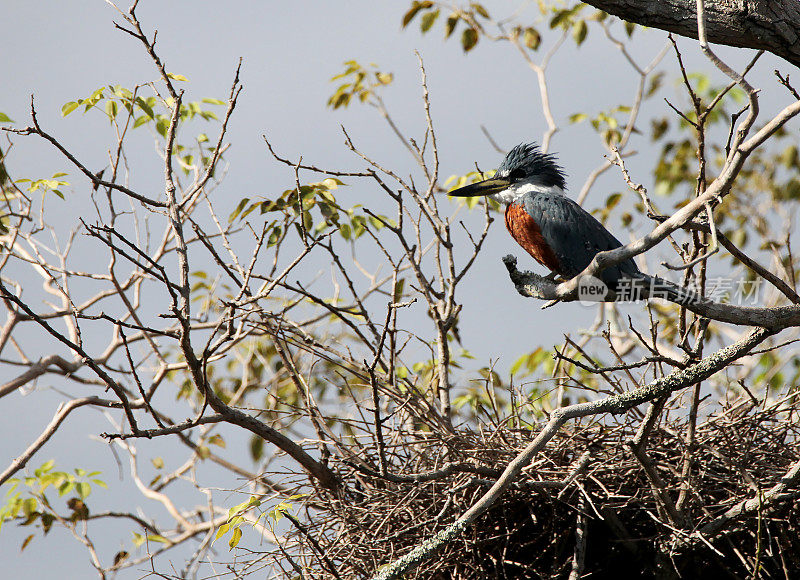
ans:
(773, 25)
(534, 286)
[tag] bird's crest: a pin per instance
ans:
(535, 164)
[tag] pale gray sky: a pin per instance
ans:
(62, 50)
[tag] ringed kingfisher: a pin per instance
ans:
(551, 227)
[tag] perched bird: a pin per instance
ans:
(551, 227)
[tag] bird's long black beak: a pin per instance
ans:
(486, 187)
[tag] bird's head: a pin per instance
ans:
(524, 170)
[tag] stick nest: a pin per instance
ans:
(661, 513)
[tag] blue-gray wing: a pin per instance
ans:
(575, 236)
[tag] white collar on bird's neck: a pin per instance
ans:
(517, 190)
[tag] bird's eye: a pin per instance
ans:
(516, 175)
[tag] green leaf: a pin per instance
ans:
(479, 9)
(658, 127)
(469, 38)
(579, 32)
(737, 94)
(29, 506)
(235, 537)
(655, 84)
(68, 108)
(162, 125)
(253, 501)
(211, 101)
(703, 82)
(111, 109)
(409, 16)
(559, 18)
(359, 226)
(384, 78)
(611, 136)
(416, 6)
(629, 28)
(83, 489)
(222, 530)
(328, 211)
(532, 38)
(518, 364)
(376, 223)
(256, 448)
(397, 293)
(145, 106)
(450, 24)
(6, 119)
(242, 203)
(158, 538)
(612, 200)
(266, 207)
(428, 20)
(177, 77)
(47, 522)
(577, 117)
(122, 92)
(25, 542)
